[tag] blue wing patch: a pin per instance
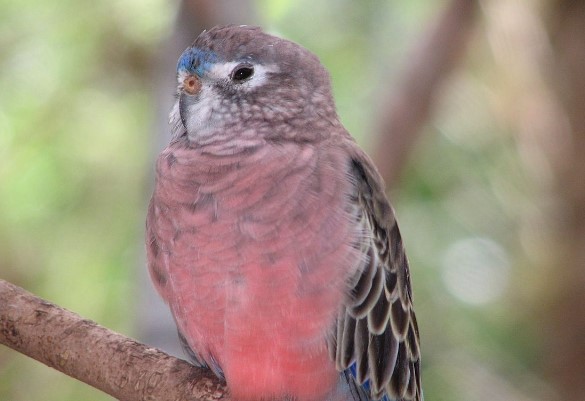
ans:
(363, 391)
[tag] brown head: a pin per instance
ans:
(237, 77)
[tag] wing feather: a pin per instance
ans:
(361, 342)
(377, 336)
(348, 341)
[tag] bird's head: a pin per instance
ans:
(238, 77)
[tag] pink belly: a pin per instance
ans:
(266, 328)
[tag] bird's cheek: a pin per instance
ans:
(189, 106)
(196, 111)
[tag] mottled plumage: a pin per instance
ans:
(269, 234)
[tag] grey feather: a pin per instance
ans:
(363, 286)
(379, 315)
(361, 342)
(347, 342)
(377, 328)
(382, 354)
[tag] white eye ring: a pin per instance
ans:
(242, 73)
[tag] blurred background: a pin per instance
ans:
(474, 112)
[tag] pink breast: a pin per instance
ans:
(257, 276)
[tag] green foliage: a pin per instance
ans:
(75, 132)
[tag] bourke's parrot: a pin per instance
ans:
(269, 235)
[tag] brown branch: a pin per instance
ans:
(111, 362)
(409, 106)
(563, 319)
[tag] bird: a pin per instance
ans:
(269, 234)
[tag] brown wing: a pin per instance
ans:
(377, 331)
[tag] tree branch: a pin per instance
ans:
(108, 361)
(409, 105)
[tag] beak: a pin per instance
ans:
(183, 108)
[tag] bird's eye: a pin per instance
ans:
(242, 72)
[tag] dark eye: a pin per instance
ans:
(242, 72)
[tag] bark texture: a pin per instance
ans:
(108, 361)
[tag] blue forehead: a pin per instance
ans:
(196, 61)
